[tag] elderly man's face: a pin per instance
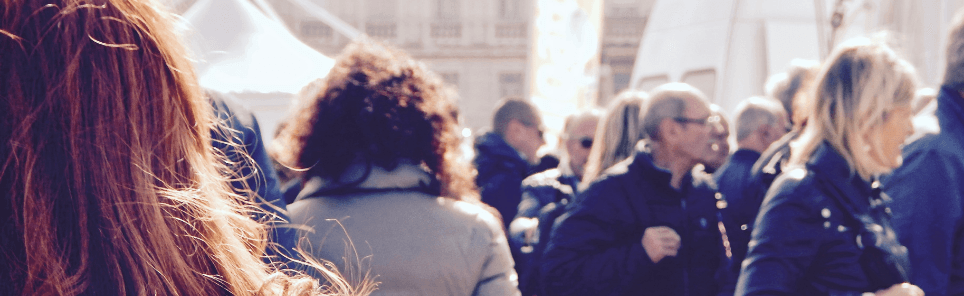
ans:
(697, 125)
(719, 146)
(579, 142)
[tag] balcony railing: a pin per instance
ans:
(383, 30)
(511, 30)
(625, 27)
(446, 30)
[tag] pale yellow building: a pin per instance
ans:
(479, 47)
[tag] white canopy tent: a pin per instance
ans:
(241, 51)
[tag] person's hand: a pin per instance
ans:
(660, 242)
(904, 289)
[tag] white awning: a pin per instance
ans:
(239, 49)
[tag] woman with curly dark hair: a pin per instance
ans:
(379, 147)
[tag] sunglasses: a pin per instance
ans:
(585, 142)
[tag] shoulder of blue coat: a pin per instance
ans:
(795, 181)
(545, 178)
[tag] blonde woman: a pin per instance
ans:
(617, 134)
(108, 181)
(823, 228)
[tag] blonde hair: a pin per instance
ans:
(862, 80)
(616, 135)
(109, 180)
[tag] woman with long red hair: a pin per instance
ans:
(108, 181)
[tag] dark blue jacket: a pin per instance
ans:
(734, 182)
(544, 197)
(596, 247)
(501, 171)
(927, 191)
(766, 169)
(805, 240)
(544, 188)
(252, 163)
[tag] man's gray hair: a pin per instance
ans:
(667, 101)
(954, 71)
(573, 120)
(756, 112)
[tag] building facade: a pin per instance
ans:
(479, 47)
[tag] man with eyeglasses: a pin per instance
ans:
(504, 156)
(720, 147)
(648, 225)
(545, 194)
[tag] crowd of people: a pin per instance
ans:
(121, 175)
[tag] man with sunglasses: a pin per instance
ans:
(545, 194)
(648, 225)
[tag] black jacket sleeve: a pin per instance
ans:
(785, 242)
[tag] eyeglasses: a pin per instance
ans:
(586, 142)
(702, 121)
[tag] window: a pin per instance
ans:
(704, 80)
(621, 81)
(448, 9)
(451, 78)
(442, 30)
(381, 10)
(622, 8)
(623, 11)
(385, 30)
(315, 29)
(511, 30)
(510, 84)
(511, 9)
(651, 82)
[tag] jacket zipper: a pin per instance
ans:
(686, 276)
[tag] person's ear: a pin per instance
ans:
(669, 129)
(765, 132)
(514, 128)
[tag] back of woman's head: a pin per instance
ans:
(861, 81)
(380, 107)
(108, 180)
(617, 134)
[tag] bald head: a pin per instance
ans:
(670, 101)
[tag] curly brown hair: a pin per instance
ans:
(380, 106)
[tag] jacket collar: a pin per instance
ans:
(493, 144)
(405, 175)
(746, 155)
(833, 170)
(644, 164)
